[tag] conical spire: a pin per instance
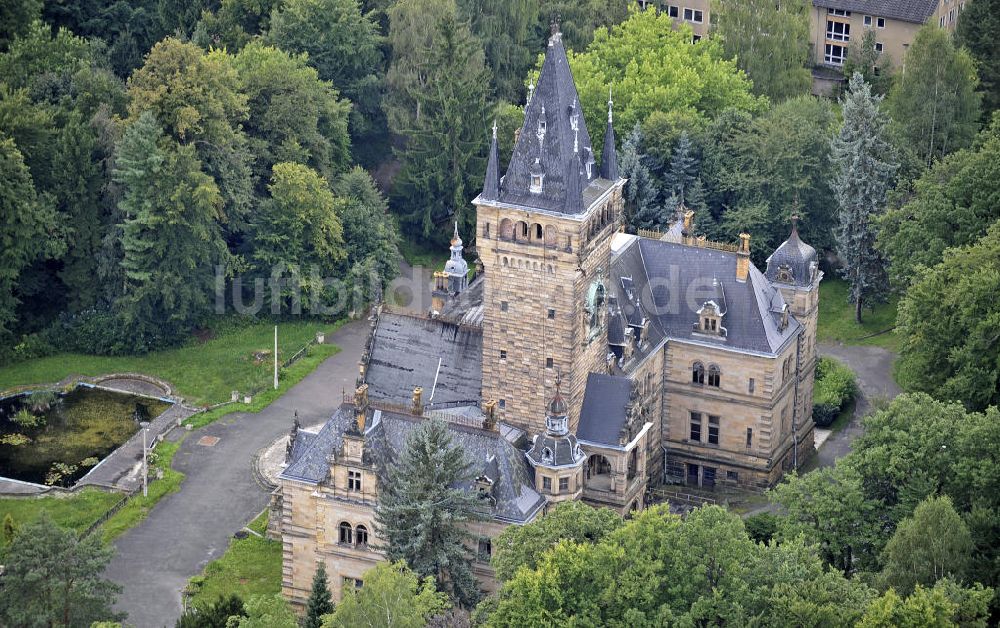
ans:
(491, 186)
(546, 169)
(609, 158)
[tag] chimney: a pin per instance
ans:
(490, 420)
(743, 258)
(361, 406)
(418, 405)
(688, 233)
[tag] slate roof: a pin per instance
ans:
(406, 351)
(548, 144)
(673, 281)
(565, 450)
(603, 415)
(795, 255)
(487, 452)
(467, 308)
(916, 11)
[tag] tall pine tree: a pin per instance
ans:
(865, 164)
(422, 515)
(642, 209)
(320, 601)
(683, 169)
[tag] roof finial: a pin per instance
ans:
(494, 129)
(610, 103)
(531, 91)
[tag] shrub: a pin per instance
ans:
(26, 418)
(835, 387)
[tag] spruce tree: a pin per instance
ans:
(683, 169)
(978, 25)
(864, 164)
(422, 514)
(320, 601)
(642, 211)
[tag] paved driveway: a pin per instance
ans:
(219, 495)
(873, 367)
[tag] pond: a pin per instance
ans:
(57, 439)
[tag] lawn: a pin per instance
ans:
(836, 318)
(71, 511)
(250, 566)
(203, 372)
(138, 507)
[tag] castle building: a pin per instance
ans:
(579, 363)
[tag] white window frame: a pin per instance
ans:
(833, 35)
(880, 22)
(879, 46)
(838, 12)
(832, 59)
(867, 20)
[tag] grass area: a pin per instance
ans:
(419, 254)
(287, 378)
(251, 566)
(138, 507)
(79, 510)
(836, 318)
(204, 372)
(845, 415)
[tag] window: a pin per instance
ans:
(750, 385)
(749, 437)
(839, 12)
(880, 22)
(536, 179)
(485, 550)
(353, 480)
(713, 430)
(346, 533)
(546, 455)
(696, 427)
(879, 46)
(548, 363)
(733, 476)
(672, 11)
(361, 536)
(503, 354)
(546, 484)
(838, 31)
(486, 231)
(694, 15)
(538, 231)
(563, 484)
(698, 373)
(350, 582)
(708, 477)
(868, 20)
(552, 314)
(503, 403)
(714, 375)
(504, 306)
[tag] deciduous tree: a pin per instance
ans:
(978, 24)
(393, 597)
(932, 544)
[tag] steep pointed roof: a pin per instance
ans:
(553, 142)
(491, 186)
(609, 158)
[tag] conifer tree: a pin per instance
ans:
(978, 25)
(683, 169)
(320, 601)
(865, 164)
(422, 515)
(642, 211)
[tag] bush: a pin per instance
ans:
(835, 387)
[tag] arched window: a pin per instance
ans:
(361, 536)
(538, 232)
(714, 375)
(346, 533)
(551, 235)
(698, 373)
(521, 231)
(547, 455)
(507, 229)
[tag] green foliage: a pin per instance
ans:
(234, 23)
(934, 104)
(249, 567)
(393, 597)
(578, 20)
(944, 605)
(507, 30)
(320, 601)
(266, 611)
(438, 85)
(521, 546)
(54, 578)
(692, 83)
(137, 508)
(932, 544)
(76, 512)
(345, 48)
(770, 42)
(864, 164)
(38, 56)
(978, 24)
(26, 418)
(642, 208)
(293, 115)
(371, 238)
(9, 529)
(952, 204)
(835, 387)
(874, 66)
(837, 324)
(422, 517)
(762, 527)
(214, 614)
(948, 323)
(16, 17)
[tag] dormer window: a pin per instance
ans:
(536, 184)
(547, 456)
(785, 275)
(710, 320)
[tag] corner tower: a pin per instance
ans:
(543, 234)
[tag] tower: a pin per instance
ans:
(543, 233)
(455, 277)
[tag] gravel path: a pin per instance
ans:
(219, 495)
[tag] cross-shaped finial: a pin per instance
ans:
(494, 128)
(610, 103)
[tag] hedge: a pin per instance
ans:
(835, 387)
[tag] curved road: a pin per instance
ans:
(219, 495)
